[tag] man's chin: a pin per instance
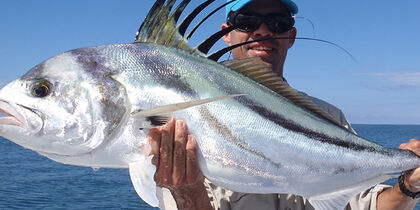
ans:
(267, 61)
(265, 57)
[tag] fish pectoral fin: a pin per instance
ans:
(166, 200)
(141, 174)
(166, 109)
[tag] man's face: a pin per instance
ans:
(272, 52)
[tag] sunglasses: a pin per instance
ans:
(248, 22)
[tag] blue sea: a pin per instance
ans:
(30, 181)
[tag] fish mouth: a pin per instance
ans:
(17, 115)
(9, 119)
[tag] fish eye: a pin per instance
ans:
(41, 89)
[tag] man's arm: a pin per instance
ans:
(393, 198)
(177, 167)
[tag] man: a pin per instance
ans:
(175, 151)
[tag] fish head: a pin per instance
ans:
(67, 105)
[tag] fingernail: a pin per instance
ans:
(180, 124)
(190, 143)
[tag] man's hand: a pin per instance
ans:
(175, 156)
(393, 198)
(412, 178)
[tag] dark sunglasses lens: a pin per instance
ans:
(247, 23)
(276, 23)
(280, 24)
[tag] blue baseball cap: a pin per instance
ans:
(238, 4)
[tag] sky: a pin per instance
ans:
(381, 87)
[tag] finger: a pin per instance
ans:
(180, 140)
(413, 140)
(409, 144)
(165, 158)
(413, 145)
(403, 146)
(193, 172)
(413, 178)
(154, 137)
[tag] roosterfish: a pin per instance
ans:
(94, 106)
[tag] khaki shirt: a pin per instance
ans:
(227, 200)
(222, 199)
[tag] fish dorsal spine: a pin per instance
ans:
(160, 27)
(259, 72)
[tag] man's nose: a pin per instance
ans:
(263, 31)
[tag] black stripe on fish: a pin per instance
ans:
(157, 120)
(164, 70)
(219, 126)
(95, 63)
(35, 73)
(169, 78)
(290, 125)
(114, 99)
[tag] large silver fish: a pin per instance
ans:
(94, 106)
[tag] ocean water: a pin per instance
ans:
(30, 181)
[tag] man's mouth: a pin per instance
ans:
(263, 48)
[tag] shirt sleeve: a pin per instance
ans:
(367, 199)
(222, 199)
